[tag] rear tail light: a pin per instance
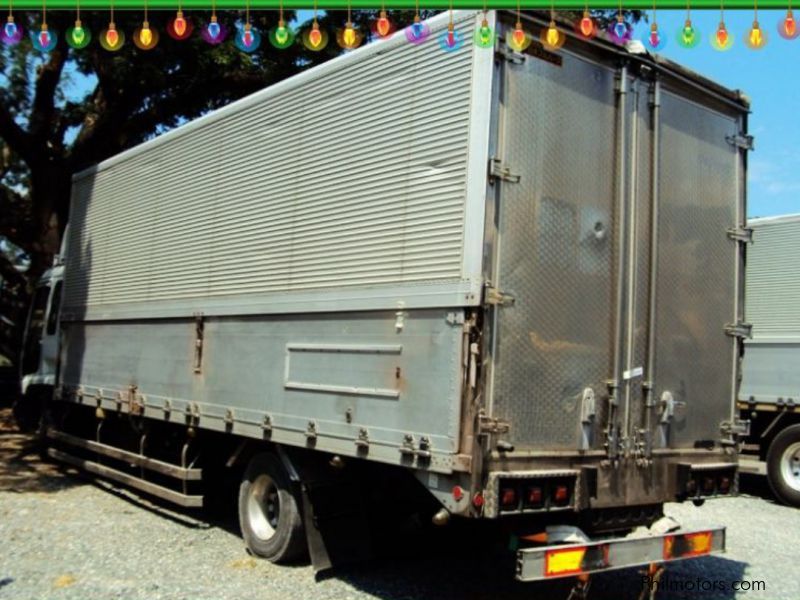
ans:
(708, 485)
(560, 495)
(691, 487)
(508, 498)
(534, 497)
(724, 486)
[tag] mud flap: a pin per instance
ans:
(336, 524)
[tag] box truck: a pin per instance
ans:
(770, 393)
(490, 285)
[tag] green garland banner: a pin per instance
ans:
(397, 4)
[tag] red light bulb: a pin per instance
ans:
(112, 37)
(790, 25)
(518, 36)
(315, 36)
(587, 25)
(383, 26)
(179, 24)
(722, 35)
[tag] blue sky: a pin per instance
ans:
(771, 77)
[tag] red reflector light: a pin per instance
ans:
(561, 494)
(533, 496)
(458, 493)
(724, 485)
(508, 497)
(708, 485)
(477, 500)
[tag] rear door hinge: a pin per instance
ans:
(499, 170)
(740, 330)
(487, 424)
(497, 297)
(741, 141)
(741, 234)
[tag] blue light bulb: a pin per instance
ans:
(213, 30)
(416, 29)
(621, 29)
(11, 29)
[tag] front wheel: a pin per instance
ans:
(783, 465)
(269, 514)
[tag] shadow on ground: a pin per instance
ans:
(460, 562)
(21, 467)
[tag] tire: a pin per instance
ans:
(783, 466)
(269, 514)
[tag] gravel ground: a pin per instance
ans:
(66, 538)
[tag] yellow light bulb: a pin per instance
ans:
(145, 35)
(281, 33)
(349, 35)
(756, 36)
(552, 34)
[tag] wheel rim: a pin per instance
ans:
(790, 466)
(263, 507)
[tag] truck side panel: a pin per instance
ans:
(357, 383)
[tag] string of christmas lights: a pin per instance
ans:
(247, 38)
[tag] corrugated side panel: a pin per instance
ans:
(354, 178)
(773, 279)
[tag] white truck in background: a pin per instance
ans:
(770, 392)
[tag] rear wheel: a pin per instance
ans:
(783, 465)
(269, 514)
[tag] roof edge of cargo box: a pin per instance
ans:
(671, 68)
(665, 65)
(775, 219)
(275, 89)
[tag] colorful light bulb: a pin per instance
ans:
(756, 38)
(451, 36)
(722, 35)
(484, 35)
(586, 26)
(416, 28)
(112, 36)
(44, 36)
(788, 27)
(78, 33)
(315, 35)
(213, 28)
(552, 34)
(655, 36)
(485, 32)
(179, 24)
(281, 33)
(146, 34)
(688, 36)
(10, 28)
(383, 26)
(620, 28)
(518, 35)
(349, 35)
(247, 35)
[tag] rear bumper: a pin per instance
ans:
(566, 560)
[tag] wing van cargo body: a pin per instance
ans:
(509, 281)
(770, 391)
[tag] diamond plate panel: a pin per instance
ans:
(696, 266)
(556, 231)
